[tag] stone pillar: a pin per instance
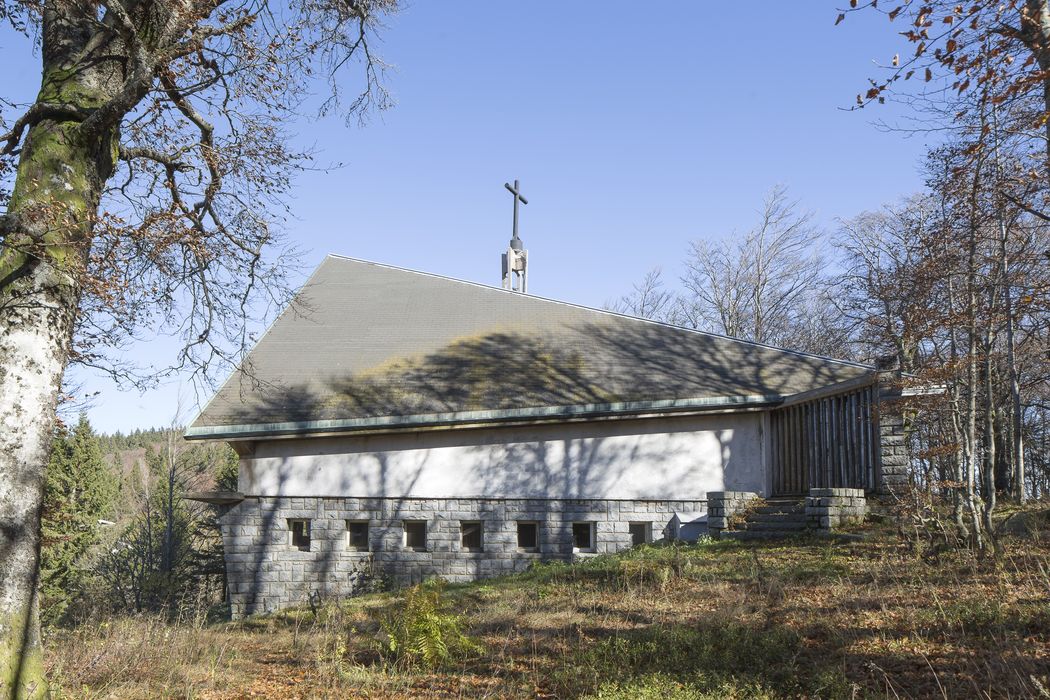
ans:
(722, 506)
(893, 452)
(827, 509)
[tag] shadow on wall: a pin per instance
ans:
(670, 457)
(592, 363)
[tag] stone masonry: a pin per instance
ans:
(723, 505)
(829, 508)
(893, 455)
(266, 572)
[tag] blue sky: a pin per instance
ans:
(634, 128)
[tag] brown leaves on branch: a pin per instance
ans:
(978, 42)
(187, 236)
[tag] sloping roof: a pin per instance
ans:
(365, 344)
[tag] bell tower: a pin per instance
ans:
(515, 260)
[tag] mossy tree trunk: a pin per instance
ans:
(62, 169)
(168, 63)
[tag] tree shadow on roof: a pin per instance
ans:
(597, 363)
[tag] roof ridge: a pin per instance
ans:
(608, 312)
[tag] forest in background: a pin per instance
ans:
(119, 537)
(951, 285)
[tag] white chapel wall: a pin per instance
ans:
(665, 458)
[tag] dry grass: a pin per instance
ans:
(801, 619)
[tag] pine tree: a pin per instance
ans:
(227, 474)
(79, 490)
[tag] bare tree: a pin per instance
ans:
(754, 287)
(999, 47)
(648, 299)
(142, 190)
(950, 281)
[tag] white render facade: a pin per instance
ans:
(402, 425)
(622, 479)
(678, 457)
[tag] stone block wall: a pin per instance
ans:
(829, 508)
(893, 453)
(722, 506)
(265, 572)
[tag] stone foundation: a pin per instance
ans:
(266, 572)
(723, 505)
(827, 509)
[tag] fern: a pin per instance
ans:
(420, 632)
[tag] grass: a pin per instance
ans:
(806, 618)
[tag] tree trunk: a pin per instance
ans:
(49, 218)
(1016, 453)
(989, 437)
(1035, 28)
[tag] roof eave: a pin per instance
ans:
(514, 416)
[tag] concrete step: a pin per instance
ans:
(778, 526)
(792, 508)
(757, 535)
(777, 520)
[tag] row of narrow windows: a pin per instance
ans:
(471, 535)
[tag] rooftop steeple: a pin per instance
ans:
(515, 272)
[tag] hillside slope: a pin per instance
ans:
(720, 619)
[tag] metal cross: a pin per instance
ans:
(516, 191)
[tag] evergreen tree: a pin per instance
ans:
(79, 490)
(227, 474)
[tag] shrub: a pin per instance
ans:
(720, 658)
(420, 631)
(660, 686)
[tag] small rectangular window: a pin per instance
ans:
(470, 535)
(528, 536)
(583, 537)
(415, 534)
(641, 533)
(357, 535)
(299, 533)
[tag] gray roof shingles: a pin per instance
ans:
(364, 340)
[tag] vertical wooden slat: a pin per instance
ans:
(832, 445)
(780, 448)
(864, 438)
(858, 439)
(815, 433)
(868, 469)
(863, 434)
(825, 440)
(796, 445)
(873, 440)
(781, 462)
(785, 432)
(787, 450)
(847, 434)
(840, 421)
(818, 437)
(810, 480)
(800, 441)
(825, 462)
(814, 479)
(794, 448)
(854, 461)
(774, 448)
(836, 443)
(811, 445)
(774, 428)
